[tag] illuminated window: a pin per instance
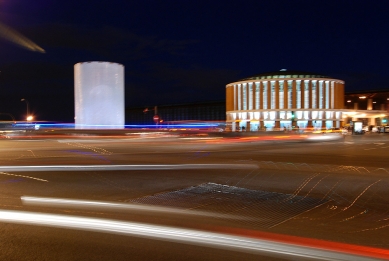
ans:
(256, 115)
(264, 97)
(329, 114)
(314, 114)
(244, 86)
(321, 95)
(299, 115)
(272, 115)
(320, 114)
(257, 95)
(314, 105)
(306, 114)
(272, 95)
(332, 95)
(282, 114)
(250, 95)
(327, 94)
(338, 115)
(288, 115)
(298, 101)
(306, 94)
(281, 93)
(265, 115)
(239, 103)
(290, 94)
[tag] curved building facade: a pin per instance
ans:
(99, 95)
(285, 99)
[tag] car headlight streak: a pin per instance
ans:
(188, 236)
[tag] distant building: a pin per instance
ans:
(285, 99)
(276, 100)
(370, 107)
(175, 113)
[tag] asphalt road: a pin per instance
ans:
(324, 194)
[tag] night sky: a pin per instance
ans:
(185, 51)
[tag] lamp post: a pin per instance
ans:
(155, 117)
(27, 116)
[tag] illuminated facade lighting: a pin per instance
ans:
(99, 95)
(274, 97)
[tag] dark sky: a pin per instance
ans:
(186, 51)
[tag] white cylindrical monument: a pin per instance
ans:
(99, 95)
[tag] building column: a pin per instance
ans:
(302, 93)
(369, 104)
(236, 125)
(277, 124)
(310, 120)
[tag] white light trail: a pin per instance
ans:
(110, 206)
(126, 167)
(324, 137)
(188, 236)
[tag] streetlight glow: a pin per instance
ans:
(28, 113)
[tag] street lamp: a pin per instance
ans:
(155, 117)
(27, 116)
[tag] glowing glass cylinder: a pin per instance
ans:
(99, 95)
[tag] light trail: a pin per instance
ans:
(179, 235)
(126, 167)
(13, 36)
(111, 206)
(22, 176)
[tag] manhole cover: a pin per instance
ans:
(264, 209)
